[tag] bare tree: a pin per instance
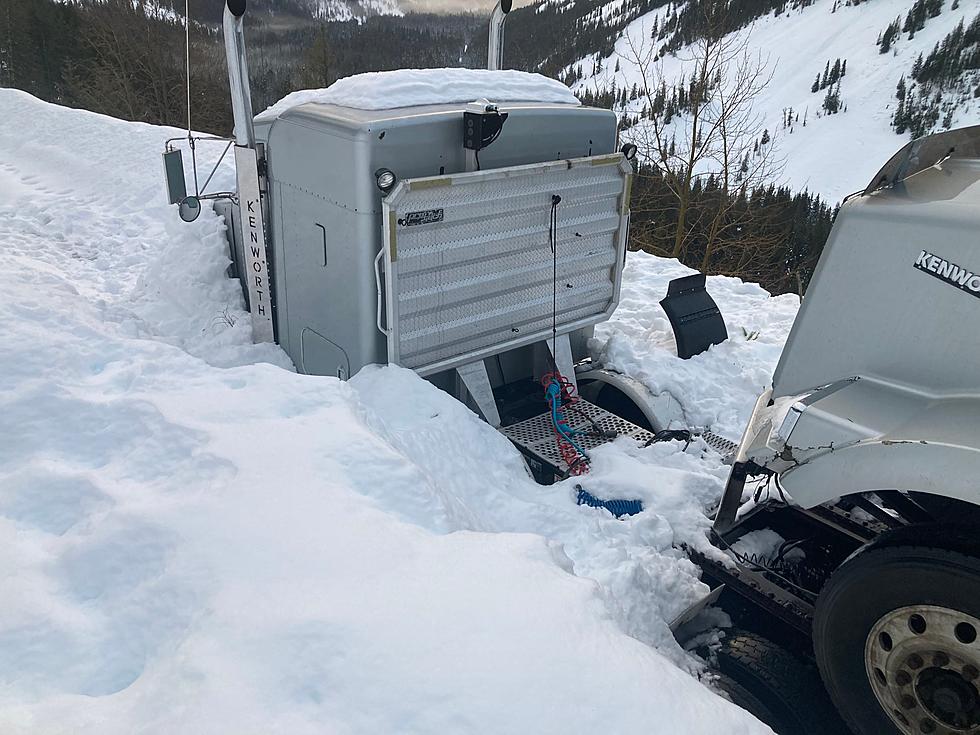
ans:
(133, 65)
(704, 131)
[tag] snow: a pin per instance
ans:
(718, 388)
(348, 10)
(833, 155)
(387, 90)
(194, 538)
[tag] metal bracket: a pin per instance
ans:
(731, 500)
(561, 350)
(477, 381)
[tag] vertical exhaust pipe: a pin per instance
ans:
(241, 96)
(495, 54)
(255, 270)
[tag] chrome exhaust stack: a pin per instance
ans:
(495, 54)
(241, 95)
(255, 268)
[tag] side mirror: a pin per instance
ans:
(189, 209)
(173, 169)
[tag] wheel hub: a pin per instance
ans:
(948, 697)
(923, 663)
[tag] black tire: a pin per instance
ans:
(865, 588)
(776, 686)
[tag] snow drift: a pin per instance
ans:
(194, 538)
(388, 90)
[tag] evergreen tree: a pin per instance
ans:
(899, 119)
(831, 102)
(888, 36)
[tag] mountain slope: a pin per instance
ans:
(343, 10)
(832, 154)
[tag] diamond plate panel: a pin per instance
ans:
(468, 265)
(537, 436)
(720, 444)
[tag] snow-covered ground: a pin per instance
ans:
(194, 538)
(833, 155)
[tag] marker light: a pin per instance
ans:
(386, 179)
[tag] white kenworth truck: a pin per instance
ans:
(474, 229)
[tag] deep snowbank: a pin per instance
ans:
(193, 538)
(388, 90)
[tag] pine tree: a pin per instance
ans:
(831, 102)
(917, 67)
(888, 36)
(899, 120)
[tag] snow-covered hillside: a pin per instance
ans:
(323, 10)
(832, 155)
(352, 9)
(194, 538)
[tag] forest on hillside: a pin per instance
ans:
(126, 59)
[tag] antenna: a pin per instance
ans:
(187, 62)
(187, 59)
(190, 205)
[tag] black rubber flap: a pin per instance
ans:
(694, 315)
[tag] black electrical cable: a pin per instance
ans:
(553, 241)
(788, 546)
(779, 487)
(597, 430)
(807, 594)
(670, 435)
(571, 468)
(500, 367)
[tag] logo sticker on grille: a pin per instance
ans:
(425, 217)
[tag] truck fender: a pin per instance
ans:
(661, 411)
(943, 469)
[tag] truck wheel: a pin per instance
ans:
(775, 686)
(896, 637)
